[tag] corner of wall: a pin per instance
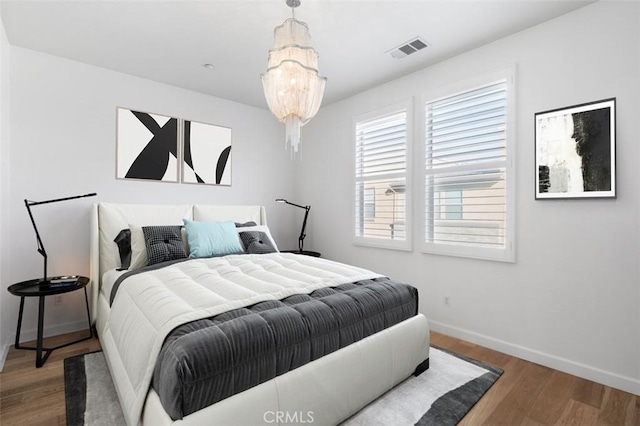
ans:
(4, 185)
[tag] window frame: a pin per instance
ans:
(406, 244)
(506, 254)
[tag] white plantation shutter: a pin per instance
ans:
(381, 178)
(466, 171)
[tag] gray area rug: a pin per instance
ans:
(90, 396)
(442, 395)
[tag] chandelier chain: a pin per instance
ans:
(293, 4)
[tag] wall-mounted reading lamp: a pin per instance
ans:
(28, 204)
(304, 222)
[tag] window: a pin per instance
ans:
(381, 203)
(468, 209)
(369, 203)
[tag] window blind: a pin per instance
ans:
(380, 172)
(465, 168)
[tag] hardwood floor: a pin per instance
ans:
(35, 396)
(527, 394)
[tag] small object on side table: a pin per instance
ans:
(305, 252)
(41, 288)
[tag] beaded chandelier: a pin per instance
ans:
(292, 86)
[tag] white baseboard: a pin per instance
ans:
(608, 378)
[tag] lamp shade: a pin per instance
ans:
(292, 86)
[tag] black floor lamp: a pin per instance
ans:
(28, 204)
(304, 226)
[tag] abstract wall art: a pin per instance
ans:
(575, 150)
(166, 149)
(206, 154)
(147, 146)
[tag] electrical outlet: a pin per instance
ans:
(446, 301)
(57, 300)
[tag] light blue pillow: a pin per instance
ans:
(208, 239)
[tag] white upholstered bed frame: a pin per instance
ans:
(326, 391)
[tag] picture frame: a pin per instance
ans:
(146, 146)
(575, 151)
(206, 154)
(155, 147)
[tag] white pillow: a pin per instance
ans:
(138, 248)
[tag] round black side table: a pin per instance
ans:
(305, 252)
(38, 288)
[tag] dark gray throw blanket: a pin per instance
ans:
(205, 361)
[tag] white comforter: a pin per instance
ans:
(151, 304)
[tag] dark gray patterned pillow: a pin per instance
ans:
(163, 243)
(257, 242)
(245, 224)
(123, 240)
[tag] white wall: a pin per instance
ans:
(571, 301)
(4, 144)
(63, 143)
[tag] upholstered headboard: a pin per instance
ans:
(108, 219)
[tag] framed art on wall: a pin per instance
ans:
(147, 146)
(206, 154)
(575, 151)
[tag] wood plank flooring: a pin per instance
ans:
(35, 396)
(527, 394)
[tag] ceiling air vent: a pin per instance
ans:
(407, 48)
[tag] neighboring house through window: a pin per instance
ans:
(369, 204)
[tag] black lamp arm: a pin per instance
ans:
(29, 203)
(304, 222)
(41, 249)
(304, 226)
(282, 200)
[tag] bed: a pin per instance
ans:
(137, 315)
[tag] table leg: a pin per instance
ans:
(39, 360)
(42, 353)
(17, 345)
(86, 301)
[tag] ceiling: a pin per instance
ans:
(170, 41)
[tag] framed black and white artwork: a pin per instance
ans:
(575, 151)
(206, 154)
(147, 146)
